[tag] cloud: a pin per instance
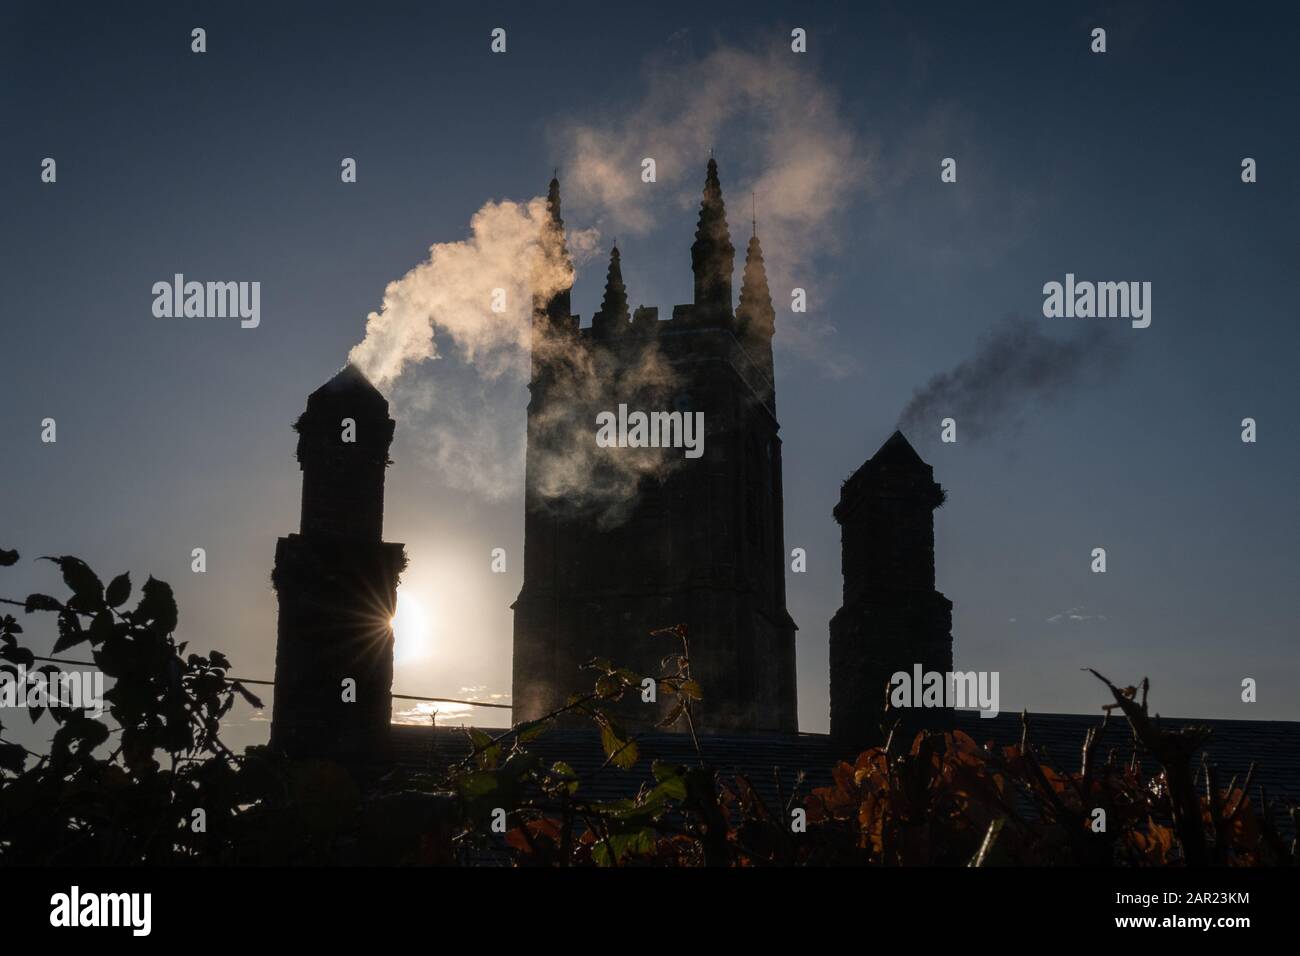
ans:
(448, 714)
(1075, 615)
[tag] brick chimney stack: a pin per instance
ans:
(892, 618)
(336, 581)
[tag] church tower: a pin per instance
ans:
(892, 619)
(336, 581)
(653, 538)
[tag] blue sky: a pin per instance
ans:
(1121, 166)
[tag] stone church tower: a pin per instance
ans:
(336, 580)
(892, 619)
(649, 538)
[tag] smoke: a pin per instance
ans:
(466, 422)
(468, 429)
(780, 135)
(1015, 368)
(779, 127)
(777, 132)
(479, 291)
(569, 469)
(471, 430)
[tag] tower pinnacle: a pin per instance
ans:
(553, 200)
(557, 309)
(712, 255)
(613, 314)
(755, 316)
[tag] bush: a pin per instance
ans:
(152, 783)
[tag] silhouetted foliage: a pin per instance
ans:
(128, 788)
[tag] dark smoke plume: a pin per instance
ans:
(1016, 369)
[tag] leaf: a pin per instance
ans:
(41, 602)
(119, 589)
(89, 733)
(638, 841)
(8, 558)
(673, 715)
(87, 590)
(672, 781)
(663, 770)
(158, 606)
(534, 730)
(12, 757)
(517, 840)
(563, 777)
(692, 689)
(518, 764)
(70, 632)
(546, 827)
(478, 784)
(101, 628)
(487, 754)
(247, 694)
(622, 752)
(18, 655)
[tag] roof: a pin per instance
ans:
(898, 451)
(349, 385)
(349, 394)
(764, 758)
(1273, 745)
(894, 470)
(768, 758)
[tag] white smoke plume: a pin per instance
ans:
(789, 145)
(777, 132)
(479, 291)
(569, 468)
(471, 429)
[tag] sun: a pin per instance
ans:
(412, 627)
